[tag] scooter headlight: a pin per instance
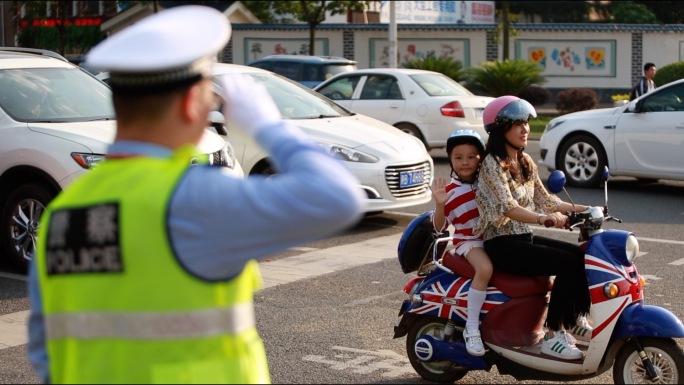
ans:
(631, 248)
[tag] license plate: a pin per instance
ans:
(479, 112)
(411, 178)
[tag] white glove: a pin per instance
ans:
(248, 104)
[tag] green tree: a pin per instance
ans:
(668, 12)
(307, 11)
(552, 11)
(669, 73)
(503, 77)
(625, 12)
(260, 9)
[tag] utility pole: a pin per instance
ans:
(393, 35)
(506, 28)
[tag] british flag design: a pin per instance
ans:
(448, 298)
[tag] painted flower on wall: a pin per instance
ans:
(595, 58)
(538, 55)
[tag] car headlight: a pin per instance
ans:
(87, 161)
(631, 248)
(553, 124)
(347, 154)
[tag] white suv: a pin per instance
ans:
(56, 122)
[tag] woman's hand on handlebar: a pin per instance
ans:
(556, 219)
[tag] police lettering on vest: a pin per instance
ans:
(84, 240)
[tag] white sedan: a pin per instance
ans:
(426, 104)
(642, 139)
(393, 168)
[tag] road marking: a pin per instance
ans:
(392, 364)
(678, 262)
(13, 329)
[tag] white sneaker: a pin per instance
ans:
(561, 346)
(582, 330)
(473, 342)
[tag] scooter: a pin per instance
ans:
(635, 339)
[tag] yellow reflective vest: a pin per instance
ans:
(119, 306)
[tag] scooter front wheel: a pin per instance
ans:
(667, 358)
(435, 371)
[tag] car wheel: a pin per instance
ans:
(583, 160)
(412, 130)
(19, 223)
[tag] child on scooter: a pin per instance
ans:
(455, 203)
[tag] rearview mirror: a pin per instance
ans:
(556, 182)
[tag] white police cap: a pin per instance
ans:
(169, 49)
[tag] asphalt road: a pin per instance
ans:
(329, 307)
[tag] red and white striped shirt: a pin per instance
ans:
(462, 213)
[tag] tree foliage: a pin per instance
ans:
(308, 11)
(552, 11)
(503, 77)
(625, 12)
(669, 73)
(628, 12)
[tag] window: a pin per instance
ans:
(380, 87)
(342, 89)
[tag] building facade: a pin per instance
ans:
(608, 58)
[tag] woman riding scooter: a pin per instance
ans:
(510, 197)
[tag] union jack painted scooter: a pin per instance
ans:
(635, 339)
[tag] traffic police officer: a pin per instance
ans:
(145, 268)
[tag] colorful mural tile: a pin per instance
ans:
(595, 58)
(258, 47)
(566, 58)
(537, 55)
(409, 49)
(569, 57)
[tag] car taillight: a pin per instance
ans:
(453, 109)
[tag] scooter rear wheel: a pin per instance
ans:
(435, 371)
(667, 358)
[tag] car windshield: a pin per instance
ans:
(296, 101)
(54, 95)
(440, 85)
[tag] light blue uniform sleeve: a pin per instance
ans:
(219, 222)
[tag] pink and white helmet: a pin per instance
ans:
(505, 110)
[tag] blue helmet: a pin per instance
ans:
(465, 136)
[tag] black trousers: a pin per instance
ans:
(527, 254)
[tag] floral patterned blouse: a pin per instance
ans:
(498, 193)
